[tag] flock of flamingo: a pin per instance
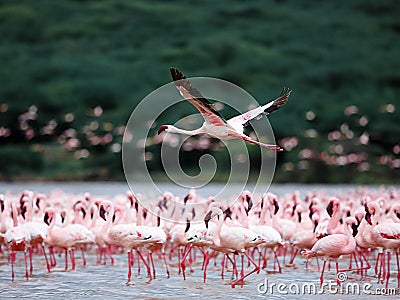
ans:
(362, 224)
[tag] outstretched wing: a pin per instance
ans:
(192, 95)
(262, 110)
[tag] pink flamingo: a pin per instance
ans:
(272, 236)
(333, 210)
(63, 237)
(215, 125)
(234, 240)
(16, 240)
(36, 232)
(334, 246)
(128, 236)
(387, 236)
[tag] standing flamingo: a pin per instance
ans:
(387, 236)
(66, 237)
(234, 239)
(334, 246)
(128, 236)
(215, 125)
(16, 240)
(36, 232)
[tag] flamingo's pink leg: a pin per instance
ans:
(337, 272)
(108, 251)
(388, 269)
(66, 259)
(72, 254)
(165, 263)
(129, 266)
(30, 260)
(377, 262)
(182, 262)
(206, 260)
(146, 264)
(26, 266)
(233, 262)
(12, 257)
(241, 279)
(152, 264)
(294, 253)
(223, 266)
(83, 256)
(398, 267)
(279, 265)
(45, 257)
(53, 261)
(382, 268)
(265, 259)
(321, 278)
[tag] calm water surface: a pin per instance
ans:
(108, 282)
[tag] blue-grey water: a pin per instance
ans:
(108, 282)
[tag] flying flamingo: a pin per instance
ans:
(215, 125)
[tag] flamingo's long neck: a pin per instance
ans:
(29, 208)
(139, 215)
(173, 129)
(107, 225)
(244, 217)
(217, 235)
(333, 222)
(263, 213)
(51, 226)
(95, 212)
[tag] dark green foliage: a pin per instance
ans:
(72, 56)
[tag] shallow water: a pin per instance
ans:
(108, 282)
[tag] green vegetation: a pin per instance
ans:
(86, 64)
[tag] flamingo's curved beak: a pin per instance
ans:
(355, 229)
(162, 128)
(207, 218)
(102, 213)
(249, 204)
(276, 205)
(329, 209)
(46, 218)
(187, 225)
(368, 215)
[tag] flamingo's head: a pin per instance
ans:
(368, 215)
(105, 206)
(163, 128)
(397, 212)
(332, 206)
(276, 206)
(207, 218)
(246, 196)
(2, 206)
(48, 215)
(102, 212)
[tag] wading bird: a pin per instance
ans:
(215, 125)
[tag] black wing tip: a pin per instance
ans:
(279, 102)
(283, 97)
(176, 74)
